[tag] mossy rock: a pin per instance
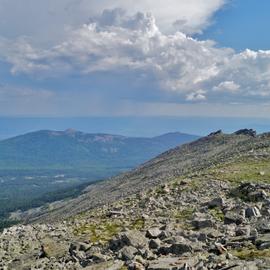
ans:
(217, 214)
(100, 232)
(185, 214)
(54, 248)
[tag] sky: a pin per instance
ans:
(143, 58)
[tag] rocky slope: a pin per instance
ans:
(205, 205)
(201, 154)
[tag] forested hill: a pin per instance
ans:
(73, 149)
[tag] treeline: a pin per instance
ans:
(26, 204)
(5, 223)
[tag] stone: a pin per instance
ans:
(166, 189)
(242, 231)
(220, 248)
(154, 243)
(129, 238)
(254, 233)
(263, 226)
(128, 253)
(217, 202)
(233, 217)
(115, 214)
(202, 237)
(164, 264)
(179, 249)
(134, 238)
(257, 196)
(173, 263)
(98, 257)
(202, 223)
(136, 266)
(110, 265)
(79, 246)
(19, 264)
(175, 249)
(244, 266)
(263, 241)
(164, 234)
(252, 212)
(54, 248)
(153, 233)
(145, 217)
(92, 250)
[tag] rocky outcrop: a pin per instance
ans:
(248, 132)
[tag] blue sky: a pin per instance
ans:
(241, 24)
(126, 59)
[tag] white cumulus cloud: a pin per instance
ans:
(230, 86)
(118, 42)
(45, 21)
(196, 96)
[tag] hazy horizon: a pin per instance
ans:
(130, 126)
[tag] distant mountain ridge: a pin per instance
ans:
(72, 149)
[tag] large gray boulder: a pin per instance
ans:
(128, 253)
(202, 223)
(216, 202)
(130, 238)
(252, 212)
(263, 241)
(153, 233)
